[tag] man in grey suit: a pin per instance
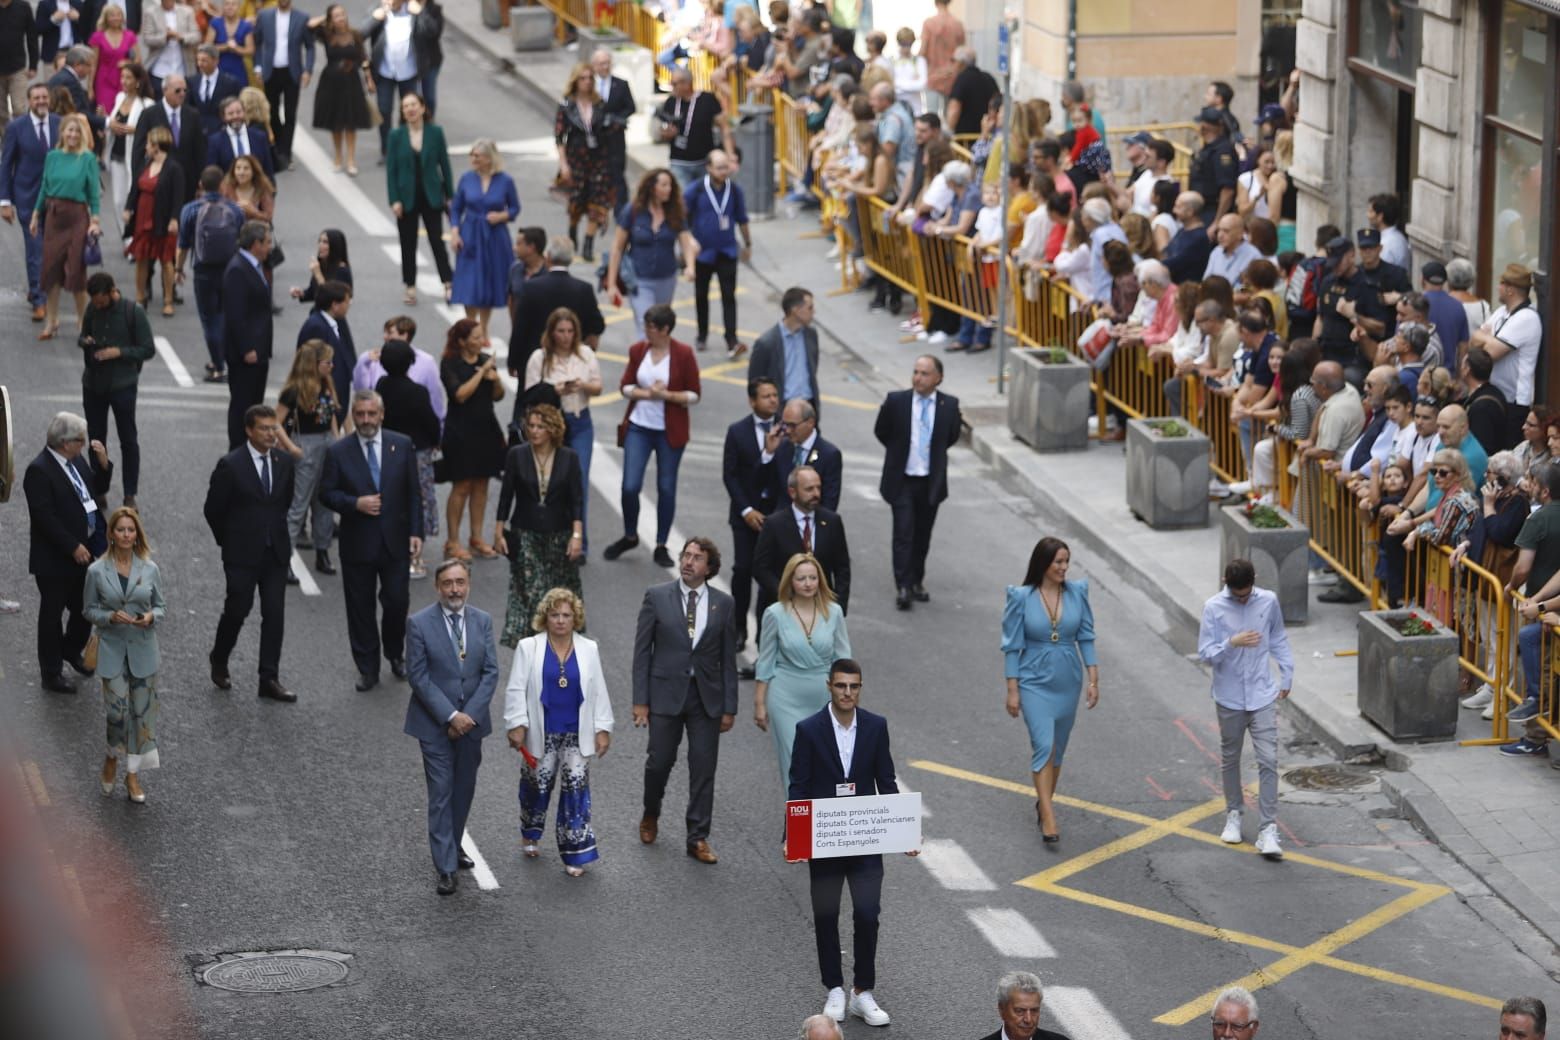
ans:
(452, 665)
(685, 676)
(787, 355)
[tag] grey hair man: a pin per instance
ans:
(1235, 1014)
(1523, 1018)
(1018, 1004)
(971, 95)
(821, 1027)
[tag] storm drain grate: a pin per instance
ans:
(1330, 777)
(275, 971)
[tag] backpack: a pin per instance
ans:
(216, 234)
(1303, 292)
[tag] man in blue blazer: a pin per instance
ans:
(916, 428)
(808, 448)
(234, 137)
(842, 751)
(22, 152)
(210, 86)
(452, 665)
(284, 70)
(752, 485)
(328, 322)
(246, 325)
(370, 478)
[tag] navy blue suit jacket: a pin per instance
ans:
(21, 162)
(49, 29)
(815, 760)
(824, 457)
(346, 479)
(442, 682)
(344, 358)
(219, 149)
(300, 43)
(246, 312)
(892, 430)
(750, 482)
(227, 86)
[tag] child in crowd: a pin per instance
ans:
(981, 289)
(1391, 560)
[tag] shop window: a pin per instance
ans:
(1384, 35)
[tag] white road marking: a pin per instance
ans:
(373, 219)
(953, 868)
(306, 583)
(1081, 1014)
(181, 375)
(904, 788)
(1010, 934)
(482, 872)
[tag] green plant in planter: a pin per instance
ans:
(1053, 355)
(1414, 625)
(1264, 517)
(1172, 428)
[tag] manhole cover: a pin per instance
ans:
(275, 971)
(1332, 777)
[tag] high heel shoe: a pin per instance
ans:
(133, 789)
(1049, 839)
(110, 772)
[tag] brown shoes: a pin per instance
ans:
(701, 851)
(38, 313)
(649, 828)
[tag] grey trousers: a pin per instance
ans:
(1263, 725)
(703, 753)
(306, 484)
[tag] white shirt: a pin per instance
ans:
(802, 518)
(67, 37)
(1522, 330)
(377, 440)
(258, 460)
(648, 413)
(332, 323)
(913, 465)
(701, 610)
(764, 455)
(283, 23)
(72, 474)
(988, 228)
(1394, 247)
(1143, 192)
(398, 62)
(1257, 195)
(844, 738)
(450, 635)
(207, 88)
(240, 139)
(938, 197)
(170, 60)
(604, 86)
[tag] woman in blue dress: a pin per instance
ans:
(485, 202)
(799, 637)
(1048, 640)
(231, 35)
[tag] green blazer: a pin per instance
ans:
(401, 177)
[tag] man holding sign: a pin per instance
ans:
(842, 752)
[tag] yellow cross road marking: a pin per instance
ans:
(40, 793)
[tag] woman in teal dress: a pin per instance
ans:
(1048, 640)
(799, 637)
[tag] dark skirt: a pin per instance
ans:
(541, 563)
(474, 445)
(340, 102)
(65, 226)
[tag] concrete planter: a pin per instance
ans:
(531, 28)
(1279, 554)
(1049, 404)
(1167, 477)
(1407, 685)
(493, 13)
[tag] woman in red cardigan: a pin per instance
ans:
(661, 384)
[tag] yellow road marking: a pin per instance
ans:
(1136, 840)
(40, 793)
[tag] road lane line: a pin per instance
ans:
(1082, 1015)
(374, 220)
(953, 868)
(904, 788)
(1010, 933)
(181, 375)
(482, 872)
(305, 578)
(40, 793)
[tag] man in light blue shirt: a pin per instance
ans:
(1102, 228)
(1242, 627)
(398, 33)
(1233, 254)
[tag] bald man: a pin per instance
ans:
(717, 214)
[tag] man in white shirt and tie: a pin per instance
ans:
(916, 428)
(235, 137)
(617, 102)
(26, 144)
(284, 61)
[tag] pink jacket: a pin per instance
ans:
(1165, 320)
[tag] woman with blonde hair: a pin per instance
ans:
(485, 201)
(557, 693)
(123, 599)
(310, 420)
(67, 213)
(572, 369)
(113, 46)
(799, 637)
(257, 110)
(540, 525)
(1140, 236)
(583, 171)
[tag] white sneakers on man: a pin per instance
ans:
(865, 1008)
(1480, 698)
(834, 1007)
(1267, 842)
(1231, 833)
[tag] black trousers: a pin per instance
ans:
(725, 269)
(281, 90)
(433, 222)
(744, 540)
(270, 577)
(390, 577)
(95, 408)
(703, 752)
(246, 386)
(829, 876)
(61, 595)
(1516, 415)
(914, 514)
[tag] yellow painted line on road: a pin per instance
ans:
(1185, 924)
(40, 793)
(1136, 840)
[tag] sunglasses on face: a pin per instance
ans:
(1443, 471)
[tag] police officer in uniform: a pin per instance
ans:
(1381, 285)
(1214, 168)
(1335, 309)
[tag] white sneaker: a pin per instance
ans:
(833, 253)
(1483, 697)
(834, 1007)
(1217, 488)
(1241, 487)
(1231, 833)
(937, 339)
(865, 1008)
(1321, 577)
(1267, 842)
(9, 606)
(1489, 711)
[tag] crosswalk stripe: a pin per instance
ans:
(306, 583)
(1082, 1015)
(181, 375)
(481, 872)
(953, 868)
(1010, 933)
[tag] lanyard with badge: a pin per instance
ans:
(720, 207)
(680, 142)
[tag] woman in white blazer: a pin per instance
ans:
(135, 95)
(122, 597)
(557, 694)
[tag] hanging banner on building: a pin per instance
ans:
(824, 828)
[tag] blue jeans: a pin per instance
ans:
(1529, 638)
(647, 293)
(208, 303)
(637, 447)
(430, 90)
(33, 244)
(972, 332)
(580, 434)
(686, 171)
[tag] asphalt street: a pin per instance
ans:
(277, 827)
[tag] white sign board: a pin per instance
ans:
(823, 828)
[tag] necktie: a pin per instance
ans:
(807, 534)
(799, 456)
(240, 146)
(373, 462)
(764, 426)
(75, 479)
(457, 634)
(924, 445)
(173, 124)
(693, 611)
(43, 132)
(265, 475)
(205, 89)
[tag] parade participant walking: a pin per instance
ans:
(1018, 1005)
(1242, 627)
(309, 412)
(28, 139)
(688, 121)
(806, 447)
(410, 409)
(584, 166)
(421, 185)
(1048, 641)
(717, 211)
(473, 443)
(618, 101)
(115, 340)
(787, 353)
(340, 104)
(558, 716)
(651, 230)
(68, 195)
(541, 502)
(484, 203)
(916, 427)
(748, 471)
(838, 749)
(284, 63)
(151, 211)
(123, 598)
(208, 240)
(452, 667)
(246, 508)
(571, 368)
(532, 308)
(246, 325)
(803, 525)
(685, 678)
(399, 34)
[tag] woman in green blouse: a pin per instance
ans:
(67, 211)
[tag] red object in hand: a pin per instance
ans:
(530, 759)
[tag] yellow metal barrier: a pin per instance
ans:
(791, 139)
(891, 253)
(1212, 417)
(1047, 312)
(1283, 458)
(1338, 535)
(1548, 717)
(952, 279)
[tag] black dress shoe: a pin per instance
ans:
(463, 861)
(292, 579)
(275, 691)
(619, 547)
(219, 673)
(902, 599)
(447, 884)
(1343, 592)
(365, 681)
(662, 558)
(398, 668)
(741, 643)
(58, 683)
(79, 666)
(322, 564)
(744, 672)
(919, 594)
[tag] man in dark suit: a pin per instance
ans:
(542, 295)
(66, 532)
(753, 486)
(246, 324)
(234, 136)
(50, 19)
(286, 26)
(400, 35)
(76, 77)
(246, 508)
(802, 525)
(210, 87)
(916, 427)
(842, 750)
(183, 122)
(788, 353)
(371, 480)
(807, 448)
(685, 677)
(617, 101)
(452, 665)
(1018, 1003)
(27, 141)
(328, 322)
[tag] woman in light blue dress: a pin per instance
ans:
(1048, 641)
(485, 202)
(799, 637)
